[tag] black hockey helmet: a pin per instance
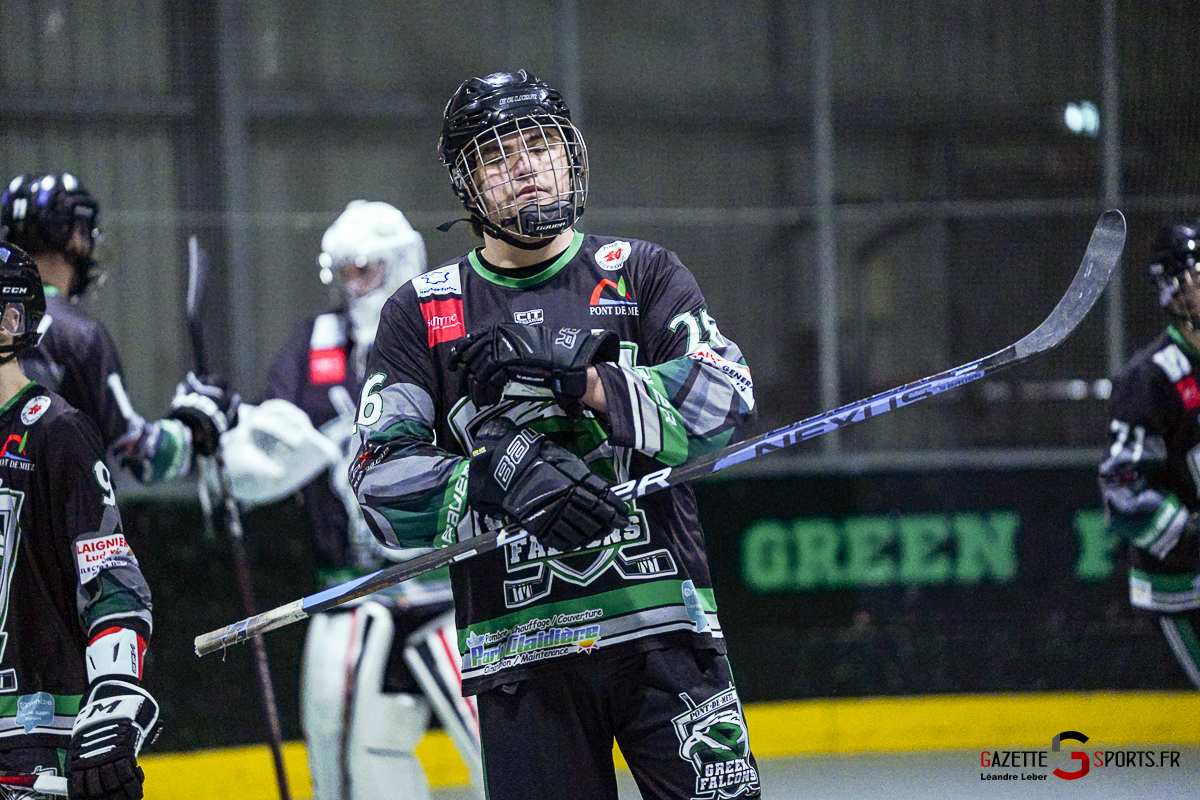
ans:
(484, 110)
(1174, 256)
(22, 300)
(41, 213)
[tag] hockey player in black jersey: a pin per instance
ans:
(74, 608)
(516, 384)
(1151, 478)
(56, 221)
(363, 710)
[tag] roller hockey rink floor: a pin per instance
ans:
(945, 775)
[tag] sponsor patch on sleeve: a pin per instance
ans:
(34, 409)
(612, 256)
(738, 374)
(444, 319)
(438, 281)
(102, 552)
(1189, 392)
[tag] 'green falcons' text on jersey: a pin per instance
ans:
(680, 390)
(68, 572)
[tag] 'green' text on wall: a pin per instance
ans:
(874, 551)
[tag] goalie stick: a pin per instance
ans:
(51, 785)
(212, 470)
(1099, 262)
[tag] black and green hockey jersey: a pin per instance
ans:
(680, 389)
(1151, 478)
(68, 573)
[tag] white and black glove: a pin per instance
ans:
(274, 451)
(205, 404)
(550, 363)
(108, 735)
(541, 486)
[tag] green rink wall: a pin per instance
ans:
(889, 583)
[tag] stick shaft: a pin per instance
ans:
(1099, 262)
(198, 275)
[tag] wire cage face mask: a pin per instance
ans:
(528, 178)
(1175, 291)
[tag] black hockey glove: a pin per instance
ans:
(108, 734)
(541, 486)
(205, 404)
(543, 362)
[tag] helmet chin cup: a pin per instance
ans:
(541, 221)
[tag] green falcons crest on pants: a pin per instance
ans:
(713, 737)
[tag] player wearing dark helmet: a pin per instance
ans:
(74, 607)
(1151, 479)
(493, 123)
(515, 385)
(1173, 262)
(56, 220)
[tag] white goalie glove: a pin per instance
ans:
(274, 451)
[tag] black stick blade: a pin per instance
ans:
(198, 272)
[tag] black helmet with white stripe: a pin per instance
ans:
(44, 213)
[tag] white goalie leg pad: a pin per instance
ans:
(361, 741)
(432, 655)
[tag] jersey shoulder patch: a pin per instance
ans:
(612, 256)
(1173, 362)
(439, 294)
(441, 281)
(34, 409)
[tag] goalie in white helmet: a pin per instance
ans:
(368, 253)
(363, 711)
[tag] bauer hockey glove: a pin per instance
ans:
(108, 735)
(205, 404)
(542, 362)
(544, 488)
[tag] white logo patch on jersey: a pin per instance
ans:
(532, 317)
(439, 281)
(613, 255)
(1173, 362)
(103, 552)
(34, 409)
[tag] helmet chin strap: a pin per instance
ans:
(546, 220)
(498, 233)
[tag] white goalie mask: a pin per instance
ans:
(368, 253)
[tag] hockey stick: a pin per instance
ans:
(213, 468)
(45, 784)
(1099, 263)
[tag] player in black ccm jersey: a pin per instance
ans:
(1151, 479)
(74, 608)
(56, 221)
(516, 384)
